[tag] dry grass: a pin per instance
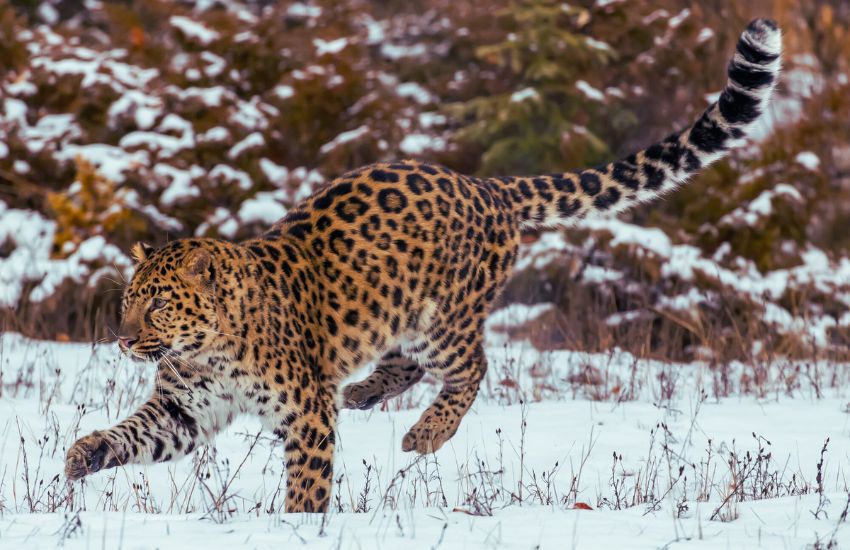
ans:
(631, 314)
(723, 475)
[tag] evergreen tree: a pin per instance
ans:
(541, 122)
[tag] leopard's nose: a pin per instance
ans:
(125, 342)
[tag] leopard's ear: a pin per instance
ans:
(197, 264)
(140, 251)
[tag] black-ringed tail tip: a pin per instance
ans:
(561, 199)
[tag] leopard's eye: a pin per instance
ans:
(158, 303)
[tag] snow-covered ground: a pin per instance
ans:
(660, 457)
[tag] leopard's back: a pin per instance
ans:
(404, 252)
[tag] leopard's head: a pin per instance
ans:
(169, 306)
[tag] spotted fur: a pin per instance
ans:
(392, 263)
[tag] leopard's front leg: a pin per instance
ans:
(181, 414)
(310, 437)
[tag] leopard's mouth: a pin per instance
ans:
(149, 352)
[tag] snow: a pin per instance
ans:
(50, 129)
(97, 68)
(684, 302)
(30, 263)
(214, 135)
(309, 179)
(374, 30)
(110, 161)
(522, 95)
(222, 220)
(50, 132)
(130, 197)
(194, 30)
(15, 110)
(278, 175)
(597, 44)
(283, 91)
(760, 207)
(250, 115)
(808, 160)
(179, 187)
(21, 87)
(395, 52)
(246, 36)
(679, 18)
(600, 275)
(517, 314)
(143, 108)
(249, 142)
(687, 263)
(165, 145)
(416, 144)
(431, 118)
(228, 174)
(216, 64)
(214, 96)
(616, 319)
(228, 229)
(415, 91)
(310, 72)
(130, 76)
(654, 16)
(48, 13)
(541, 525)
(301, 10)
(329, 46)
(649, 239)
(705, 35)
(589, 91)
(549, 247)
(264, 208)
(510, 478)
(343, 138)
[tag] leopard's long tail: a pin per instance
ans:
(560, 199)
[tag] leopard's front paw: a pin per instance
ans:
(88, 455)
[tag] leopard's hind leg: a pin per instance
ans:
(392, 376)
(460, 365)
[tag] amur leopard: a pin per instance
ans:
(394, 264)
